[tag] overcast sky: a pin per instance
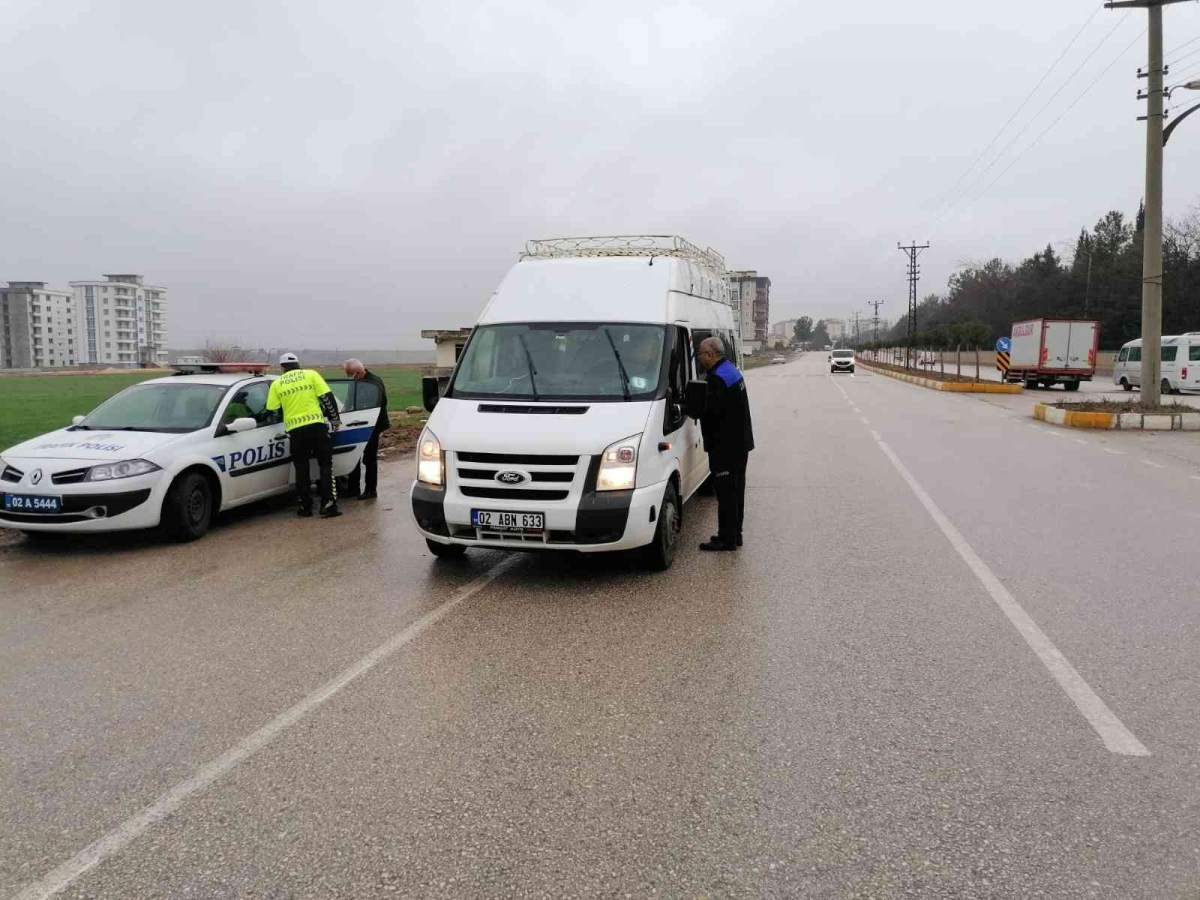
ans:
(347, 173)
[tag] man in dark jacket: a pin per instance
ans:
(359, 372)
(728, 438)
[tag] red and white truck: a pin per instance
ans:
(1046, 352)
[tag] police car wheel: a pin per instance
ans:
(187, 508)
(445, 551)
(661, 552)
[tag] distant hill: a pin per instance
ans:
(310, 356)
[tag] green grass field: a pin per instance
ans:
(34, 404)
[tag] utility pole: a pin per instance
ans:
(875, 322)
(914, 275)
(1152, 252)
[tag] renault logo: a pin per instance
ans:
(512, 477)
(36, 477)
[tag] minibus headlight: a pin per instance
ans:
(431, 460)
(618, 465)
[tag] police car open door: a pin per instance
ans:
(358, 403)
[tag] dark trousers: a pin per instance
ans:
(729, 478)
(306, 442)
(370, 461)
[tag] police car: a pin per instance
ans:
(171, 453)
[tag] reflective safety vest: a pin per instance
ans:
(297, 392)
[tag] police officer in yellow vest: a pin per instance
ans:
(307, 401)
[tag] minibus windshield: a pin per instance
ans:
(598, 361)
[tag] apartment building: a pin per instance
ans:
(750, 295)
(119, 321)
(37, 326)
(123, 321)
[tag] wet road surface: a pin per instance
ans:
(846, 708)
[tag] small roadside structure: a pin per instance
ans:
(448, 344)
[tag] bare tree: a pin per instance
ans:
(221, 351)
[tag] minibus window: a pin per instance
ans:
(1169, 353)
(1124, 354)
(1194, 353)
(600, 361)
(1135, 354)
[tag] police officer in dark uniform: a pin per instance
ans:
(728, 439)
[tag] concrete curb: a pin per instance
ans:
(957, 387)
(1068, 418)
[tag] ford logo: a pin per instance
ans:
(36, 477)
(512, 477)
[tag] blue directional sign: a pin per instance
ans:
(1004, 345)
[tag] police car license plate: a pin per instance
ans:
(498, 520)
(30, 503)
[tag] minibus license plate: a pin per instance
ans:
(497, 520)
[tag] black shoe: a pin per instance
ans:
(330, 511)
(304, 512)
(367, 495)
(718, 547)
(716, 539)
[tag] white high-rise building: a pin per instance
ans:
(116, 322)
(123, 322)
(37, 327)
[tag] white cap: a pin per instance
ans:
(289, 358)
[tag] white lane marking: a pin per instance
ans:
(1116, 737)
(865, 420)
(856, 409)
(1196, 478)
(1080, 441)
(1150, 462)
(116, 840)
(1114, 452)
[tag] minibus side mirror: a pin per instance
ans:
(429, 392)
(697, 392)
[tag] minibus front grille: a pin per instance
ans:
(523, 410)
(517, 459)
(510, 494)
(490, 475)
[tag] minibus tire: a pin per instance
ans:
(1166, 387)
(660, 554)
(445, 551)
(1126, 385)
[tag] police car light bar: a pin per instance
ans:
(207, 368)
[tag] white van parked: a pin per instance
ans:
(567, 423)
(1180, 364)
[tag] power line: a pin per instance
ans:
(1036, 116)
(1171, 53)
(1049, 127)
(1176, 62)
(1024, 103)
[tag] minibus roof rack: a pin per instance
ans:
(625, 245)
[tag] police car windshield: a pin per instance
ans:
(562, 361)
(169, 408)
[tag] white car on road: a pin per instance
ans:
(169, 452)
(841, 361)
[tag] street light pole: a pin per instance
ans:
(1152, 251)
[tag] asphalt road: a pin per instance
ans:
(956, 658)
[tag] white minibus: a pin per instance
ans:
(1180, 364)
(568, 423)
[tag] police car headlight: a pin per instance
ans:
(126, 469)
(431, 460)
(618, 465)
